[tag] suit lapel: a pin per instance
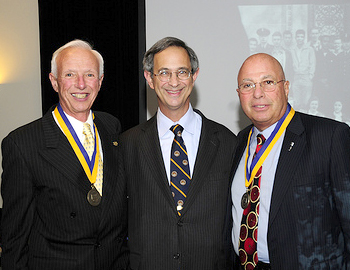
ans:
(60, 154)
(153, 154)
(242, 138)
(207, 150)
(110, 161)
(292, 148)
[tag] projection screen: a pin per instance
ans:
(311, 39)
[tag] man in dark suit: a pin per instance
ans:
(62, 210)
(264, 46)
(166, 232)
(297, 204)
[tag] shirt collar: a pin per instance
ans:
(266, 132)
(188, 122)
(78, 125)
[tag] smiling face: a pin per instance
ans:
(174, 95)
(263, 108)
(77, 82)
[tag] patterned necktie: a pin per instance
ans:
(179, 169)
(89, 145)
(249, 226)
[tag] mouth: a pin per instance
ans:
(80, 96)
(174, 92)
(259, 106)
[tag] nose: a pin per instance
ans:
(258, 92)
(81, 82)
(173, 80)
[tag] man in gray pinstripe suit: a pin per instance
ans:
(53, 215)
(159, 236)
(304, 209)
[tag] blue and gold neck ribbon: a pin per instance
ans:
(90, 166)
(267, 146)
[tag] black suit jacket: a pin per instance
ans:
(309, 220)
(47, 222)
(158, 237)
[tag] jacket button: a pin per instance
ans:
(176, 256)
(73, 215)
(179, 223)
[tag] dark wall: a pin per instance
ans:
(117, 30)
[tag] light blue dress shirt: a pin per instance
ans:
(266, 185)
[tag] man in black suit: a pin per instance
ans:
(264, 46)
(166, 232)
(297, 204)
(64, 207)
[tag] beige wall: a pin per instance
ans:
(20, 90)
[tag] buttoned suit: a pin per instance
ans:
(309, 219)
(47, 222)
(158, 237)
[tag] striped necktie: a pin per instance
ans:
(89, 145)
(179, 169)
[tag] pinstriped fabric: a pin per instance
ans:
(44, 191)
(195, 238)
(309, 220)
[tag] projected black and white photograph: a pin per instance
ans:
(312, 43)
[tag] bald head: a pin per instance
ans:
(261, 58)
(263, 106)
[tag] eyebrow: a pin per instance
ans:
(263, 78)
(179, 68)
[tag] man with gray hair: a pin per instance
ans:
(63, 205)
(177, 170)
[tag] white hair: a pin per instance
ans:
(77, 43)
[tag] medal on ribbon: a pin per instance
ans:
(259, 159)
(90, 166)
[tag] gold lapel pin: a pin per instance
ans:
(115, 143)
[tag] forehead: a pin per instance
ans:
(259, 67)
(172, 58)
(77, 58)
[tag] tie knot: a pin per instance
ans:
(86, 129)
(261, 139)
(177, 129)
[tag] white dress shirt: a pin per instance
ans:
(266, 185)
(192, 124)
(78, 128)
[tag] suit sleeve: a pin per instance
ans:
(340, 179)
(17, 213)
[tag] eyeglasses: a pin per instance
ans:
(266, 86)
(165, 75)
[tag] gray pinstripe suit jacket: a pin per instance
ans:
(309, 221)
(158, 237)
(47, 222)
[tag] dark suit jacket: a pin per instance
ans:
(47, 222)
(309, 220)
(158, 237)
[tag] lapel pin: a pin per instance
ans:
(115, 143)
(291, 146)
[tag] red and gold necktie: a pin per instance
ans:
(249, 226)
